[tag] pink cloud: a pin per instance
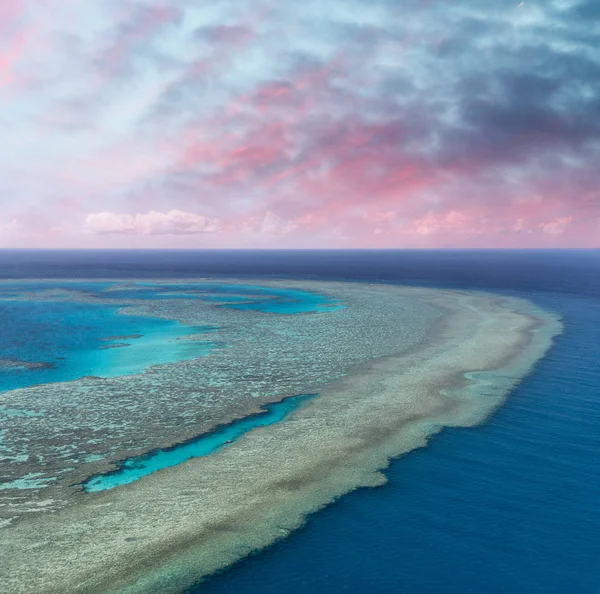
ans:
(173, 222)
(436, 223)
(316, 136)
(556, 227)
(380, 217)
(11, 54)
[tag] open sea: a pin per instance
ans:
(511, 506)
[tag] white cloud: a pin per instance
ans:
(518, 226)
(10, 227)
(269, 224)
(432, 223)
(173, 222)
(556, 227)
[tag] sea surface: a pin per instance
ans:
(510, 506)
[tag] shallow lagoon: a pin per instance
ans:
(62, 341)
(134, 469)
(56, 331)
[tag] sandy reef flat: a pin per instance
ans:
(163, 533)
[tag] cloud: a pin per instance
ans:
(557, 227)
(269, 224)
(173, 222)
(380, 217)
(439, 124)
(435, 223)
(10, 226)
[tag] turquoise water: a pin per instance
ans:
(71, 340)
(135, 468)
(45, 341)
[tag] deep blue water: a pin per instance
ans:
(510, 506)
(133, 469)
(73, 339)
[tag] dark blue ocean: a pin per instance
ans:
(512, 506)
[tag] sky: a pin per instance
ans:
(309, 124)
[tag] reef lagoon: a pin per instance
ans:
(151, 471)
(133, 469)
(57, 331)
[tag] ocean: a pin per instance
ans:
(512, 505)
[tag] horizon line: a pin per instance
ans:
(318, 249)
